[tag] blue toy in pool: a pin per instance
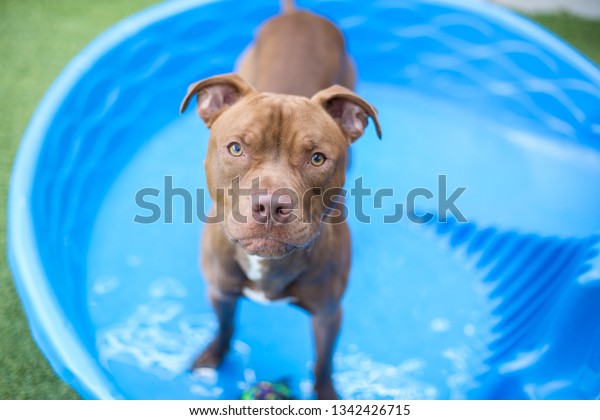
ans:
(498, 301)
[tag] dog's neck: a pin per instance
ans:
(279, 271)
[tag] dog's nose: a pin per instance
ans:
(276, 207)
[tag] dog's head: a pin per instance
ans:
(276, 163)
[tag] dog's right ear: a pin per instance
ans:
(216, 94)
(348, 110)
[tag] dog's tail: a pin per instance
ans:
(287, 6)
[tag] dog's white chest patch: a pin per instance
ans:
(260, 297)
(256, 268)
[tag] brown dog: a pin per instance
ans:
(275, 165)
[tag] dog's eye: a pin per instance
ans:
(235, 149)
(317, 159)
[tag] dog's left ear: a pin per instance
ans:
(216, 94)
(349, 110)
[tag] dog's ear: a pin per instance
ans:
(349, 110)
(216, 94)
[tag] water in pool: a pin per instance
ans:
(411, 330)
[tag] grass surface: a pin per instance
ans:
(583, 34)
(37, 39)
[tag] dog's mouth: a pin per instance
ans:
(266, 247)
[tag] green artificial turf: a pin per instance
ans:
(37, 39)
(583, 34)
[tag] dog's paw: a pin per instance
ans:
(326, 392)
(210, 358)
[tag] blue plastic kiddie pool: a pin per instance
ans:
(503, 305)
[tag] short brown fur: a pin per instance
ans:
(280, 112)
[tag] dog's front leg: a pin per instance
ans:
(224, 306)
(326, 326)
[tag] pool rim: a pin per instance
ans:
(50, 327)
